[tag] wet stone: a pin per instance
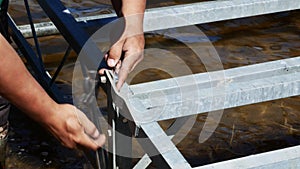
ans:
(258, 48)
(49, 163)
(62, 161)
(275, 47)
(44, 154)
(44, 144)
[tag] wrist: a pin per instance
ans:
(134, 24)
(48, 115)
(133, 7)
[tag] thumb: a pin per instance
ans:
(114, 54)
(89, 126)
(90, 130)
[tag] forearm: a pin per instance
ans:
(131, 43)
(20, 88)
(129, 7)
(64, 121)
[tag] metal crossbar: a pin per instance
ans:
(195, 13)
(278, 159)
(242, 86)
(164, 146)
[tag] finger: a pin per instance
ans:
(139, 59)
(122, 77)
(118, 66)
(86, 132)
(84, 140)
(114, 54)
(93, 133)
(100, 140)
(88, 126)
(101, 71)
(127, 65)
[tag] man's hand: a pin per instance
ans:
(64, 121)
(72, 128)
(132, 50)
(128, 50)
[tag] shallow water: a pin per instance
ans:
(242, 131)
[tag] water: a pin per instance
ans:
(242, 131)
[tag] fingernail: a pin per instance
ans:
(111, 62)
(96, 134)
(101, 140)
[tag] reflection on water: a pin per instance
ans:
(242, 131)
(246, 130)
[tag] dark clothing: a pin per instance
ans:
(4, 111)
(4, 104)
(3, 19)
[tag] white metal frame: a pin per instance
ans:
(244, 85)
(195, 13)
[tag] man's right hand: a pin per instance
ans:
(72, 128)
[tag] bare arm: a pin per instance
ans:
(19, 87)
(132, 42)
(129, 7)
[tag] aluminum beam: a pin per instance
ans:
(48, 28)
(145, 161)
(194, 94)
(163, 145)
(278, 159)
(188, 14)
(205, 12)
(243, 85)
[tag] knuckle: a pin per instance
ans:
(69, 144)
(71, 124)
(95, 133)
(76, 139)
